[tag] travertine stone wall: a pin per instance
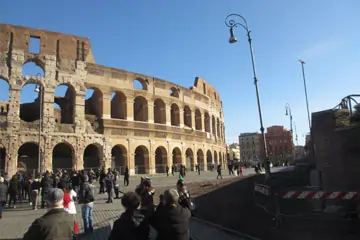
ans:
(68, 60)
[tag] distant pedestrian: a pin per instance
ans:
(198, 169)
(126, 177)
(167, 170)
(219, 172)
(117, 185)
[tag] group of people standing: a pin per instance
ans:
(170, 218)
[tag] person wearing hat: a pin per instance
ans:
(56, 223)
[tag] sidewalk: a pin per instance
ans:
(200, 229)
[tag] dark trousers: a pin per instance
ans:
(43, 198)
(12, 198)
(219, 175)
(110, 194)
(102, 187)
(2, 205)
(126, 181)
(116, 190)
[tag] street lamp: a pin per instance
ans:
(288, 113)
(232, 23)
(39, 90)
(305, 89)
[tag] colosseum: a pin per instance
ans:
(128, 119)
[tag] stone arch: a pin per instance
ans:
(159, 111)
(119, 158)
(200, 159)
(118, 105)
(213, 123)
(2, 159)
(174, 92)
(93, 156)
(209, 160)
(30, 105)
(176, 156)
(207, 122)
(140, 109)
(160, 159)
(28, 157)
(94, 102)
(140, 84)
(63, 156)
(216, 158)
(65, 103)
(218, 128)
(141, 160)
(175, 115)
(198, 120)
(190, 159)
(33, 67)
(187, 117)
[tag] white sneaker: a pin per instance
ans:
(30, 203)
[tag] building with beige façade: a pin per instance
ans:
(130, 119)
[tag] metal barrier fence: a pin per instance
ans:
(304, 203)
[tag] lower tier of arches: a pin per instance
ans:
(141, 156)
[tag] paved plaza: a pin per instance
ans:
(15, 222)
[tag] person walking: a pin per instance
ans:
(117, 185)
(47, 183)
(13, 191)
(87, 199)
(55, 224)
(126, 177)
(35, 192)
(219, 172)
(109, 184)
(3, 195)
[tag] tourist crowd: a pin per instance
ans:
(59, 191)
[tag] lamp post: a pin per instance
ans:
(305, 89)
(232, 23)
(39, 89)
(288, 113)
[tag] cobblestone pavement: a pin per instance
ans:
(15, 222)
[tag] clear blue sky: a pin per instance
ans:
(179, 40)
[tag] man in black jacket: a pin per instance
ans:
(46, 185)
(172, 220)
(131, 225)
(56, 223)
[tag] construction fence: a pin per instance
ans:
(307, 203)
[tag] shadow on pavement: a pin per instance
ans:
(98, 234)
(232, 206)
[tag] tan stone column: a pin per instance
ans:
(202, 121)
(169, 154)
(130, 111)
(168, 115)
(131, 156)
(183, 154)
(79, 112)
(106, 156)
(150, 108)
(152, 167)
(193, 119)
(106, 106)
(13, 117)
(11, 157)
(181, 117)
